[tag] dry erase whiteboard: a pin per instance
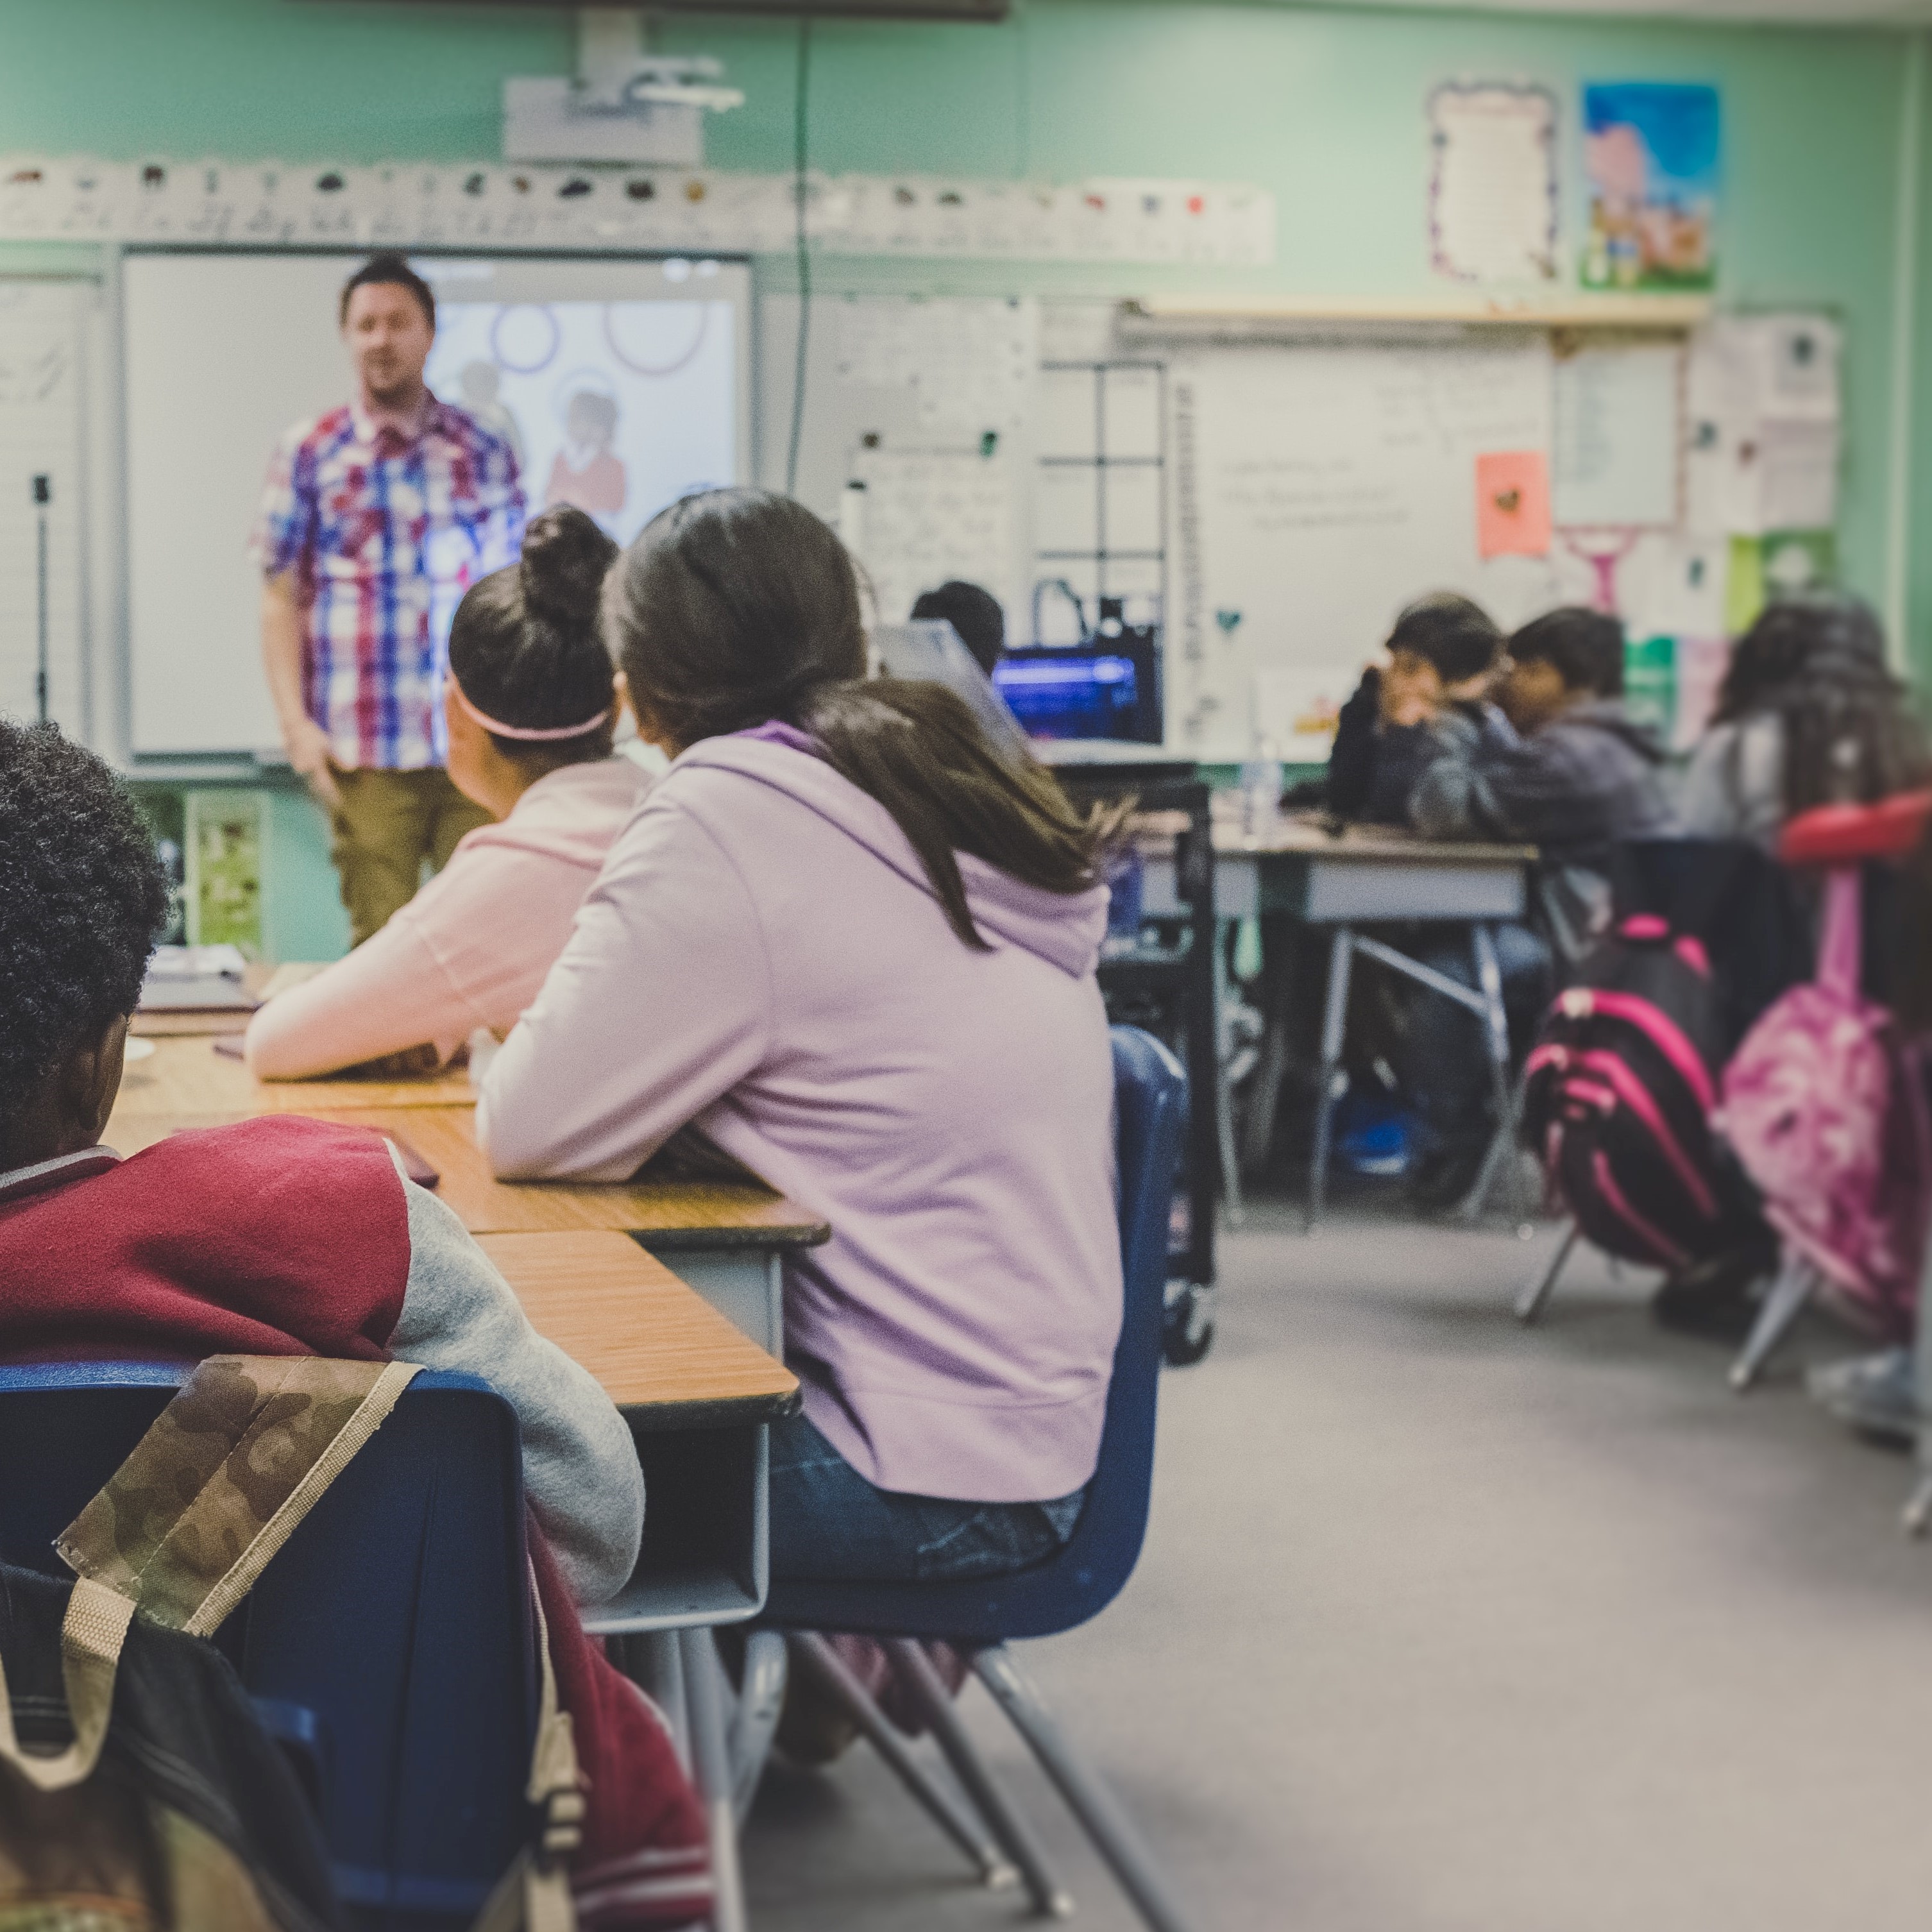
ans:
(1318, 489)
(222, 352)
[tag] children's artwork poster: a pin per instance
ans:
(1492, 201)
(1650, 154)
(618, 407)
(223, 888)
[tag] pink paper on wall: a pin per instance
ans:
(1513, 503)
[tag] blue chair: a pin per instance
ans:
(388, 1645)
(981, 1615)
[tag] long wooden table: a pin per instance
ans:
(662, 1355)
(727, 1238)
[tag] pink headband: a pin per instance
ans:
(523, 731)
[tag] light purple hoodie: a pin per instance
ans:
(762, 954)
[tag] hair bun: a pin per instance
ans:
(565, 558)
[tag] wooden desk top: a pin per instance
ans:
(1302, 837)
(672, 1214)
(659, 1350)
(185, 1075)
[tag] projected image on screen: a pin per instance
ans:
(619, 407)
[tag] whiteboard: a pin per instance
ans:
(42, 433)
(1317, 490)
(930, 403)
(222, 352)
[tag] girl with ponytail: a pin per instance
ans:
(856, 945)
(531, 705)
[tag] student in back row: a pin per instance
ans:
(857, 948)
(282, 1236)
(1443, 653)
(532, 702)
(1571, 774)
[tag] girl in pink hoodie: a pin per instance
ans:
(531, 706)
(857, 949)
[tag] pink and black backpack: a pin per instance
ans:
(1618, 1095)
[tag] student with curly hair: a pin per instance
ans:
(283, 1236)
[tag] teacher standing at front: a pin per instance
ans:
(378, 516)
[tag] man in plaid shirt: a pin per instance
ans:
(376, 518)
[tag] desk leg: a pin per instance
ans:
(711, 1763)
(1334, 1024)
(1495, 1021)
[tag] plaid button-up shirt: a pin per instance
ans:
(385, 531)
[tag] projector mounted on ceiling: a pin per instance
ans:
(622, 105)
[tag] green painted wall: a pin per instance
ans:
(1324, 108)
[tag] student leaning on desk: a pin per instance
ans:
(857, 947)
(283, 1236)
(531, 702)
(1572, 774)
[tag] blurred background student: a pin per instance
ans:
(1809, 713)
(973, 613)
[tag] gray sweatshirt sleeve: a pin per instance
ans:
(580, 1471)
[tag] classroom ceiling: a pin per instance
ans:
(1816, 12)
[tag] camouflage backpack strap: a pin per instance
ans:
(188, 1523)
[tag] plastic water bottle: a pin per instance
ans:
(1261, 790)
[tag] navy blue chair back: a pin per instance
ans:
(1150, 1110)
(389, 1641)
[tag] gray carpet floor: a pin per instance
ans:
(1446, 1626)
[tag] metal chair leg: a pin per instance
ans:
(1782, 1306)
(818, 1660)
(1087, 1796)
(1529, 1303)
(711, 1767)
(755, 1721)
(1334, 1023)
(914, 1670)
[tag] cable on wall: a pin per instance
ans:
(801, 101)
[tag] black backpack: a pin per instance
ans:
(1618, 1096)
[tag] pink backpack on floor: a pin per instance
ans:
(1825, 1113)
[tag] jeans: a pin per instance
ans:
(830, 1526)
(1448, 1071)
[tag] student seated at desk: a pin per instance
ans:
(1443, 654)
(857, 948)
(282, 1236)
(531, 705)
(1809, 713)
(1575, 775)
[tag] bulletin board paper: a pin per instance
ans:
(1618, 436)
(1492, 203)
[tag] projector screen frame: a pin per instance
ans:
(118, 730)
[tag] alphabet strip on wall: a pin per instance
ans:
(221, 203)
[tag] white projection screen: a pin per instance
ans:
(623, 384)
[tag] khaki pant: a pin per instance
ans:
(387, 823)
